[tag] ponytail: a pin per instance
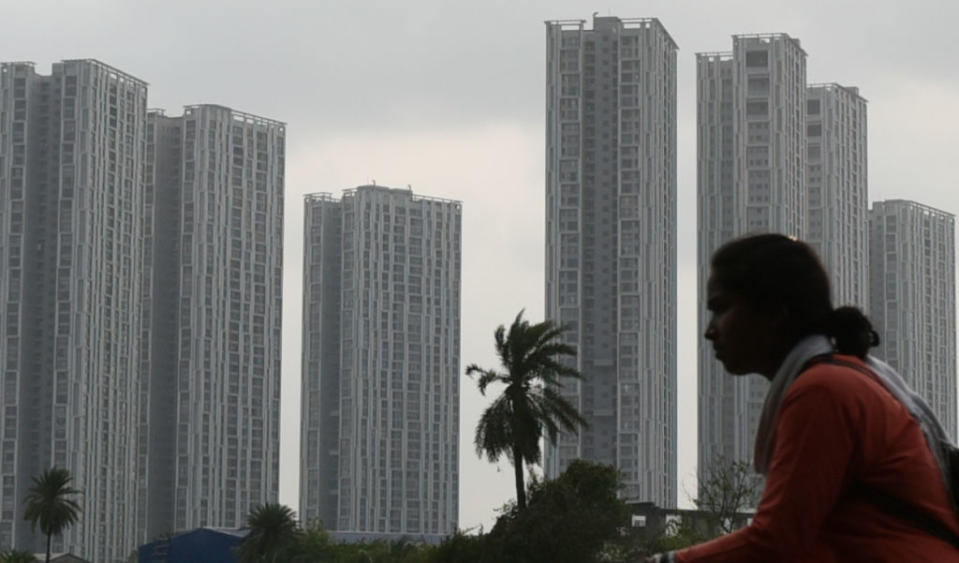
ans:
(851, 331)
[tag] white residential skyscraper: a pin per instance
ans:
(913, 299)
(381, 359)
(215, 212)
(751, 177)
(837, 195)
(141, 302)
(71, 231)
(611, 243)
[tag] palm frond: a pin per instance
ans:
(493, 432)
(565, 414)
(49, 504)
(534, 361)
(486, 376)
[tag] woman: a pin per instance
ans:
(838, 430)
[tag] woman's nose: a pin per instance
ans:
(710, 333)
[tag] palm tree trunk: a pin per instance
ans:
(49, 536)
(520, 485)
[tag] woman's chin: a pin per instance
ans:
(733, 369)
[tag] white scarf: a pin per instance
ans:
(789, 370)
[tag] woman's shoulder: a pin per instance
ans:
(847, 377)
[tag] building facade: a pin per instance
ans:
(141, 307)
(381, 357)
(837, 207)
(611, 243)
(71, 230)
(751, 177)
(913, 299)
(215, 212)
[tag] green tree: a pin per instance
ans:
(17, 556)
(49, 503)
(574, 518)
(313, 546)
(675, 535)
(273, 534)
(459, 548)
(531, 357)
(728, 488)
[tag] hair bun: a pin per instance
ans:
(852, 331)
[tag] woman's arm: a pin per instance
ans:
(815, 438)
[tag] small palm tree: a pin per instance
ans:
(531, 357)
(273, 533)
(49, 503)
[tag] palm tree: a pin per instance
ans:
(48, 503)
(531, 357)
(273, 532)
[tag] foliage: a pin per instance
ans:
(531, 357)
(50, 505)
(273, 536)
(17, 556)
(313, 546)
(729, 487)
(676, 535)
(575, 518)
(458, 548)
(570, 519)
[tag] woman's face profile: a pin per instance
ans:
(740, 335)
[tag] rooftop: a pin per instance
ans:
(925, 209)
(767, 37)
(326, 196)
(627, 23)
(113, 71)
(236, 115)
(853, 90)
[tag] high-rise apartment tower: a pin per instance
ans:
(381, 358)
(71, 229)
(611, 243)
(751, 151)
(141, 306)
(837, 190)
(913, 299)
(213, 316)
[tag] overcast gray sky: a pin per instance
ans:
(448, 97)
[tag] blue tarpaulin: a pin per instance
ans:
(203, 545)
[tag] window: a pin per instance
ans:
(758, 85)
(757, 58)
(757, 108)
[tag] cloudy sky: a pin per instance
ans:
(448, 97)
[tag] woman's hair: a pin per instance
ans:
(773, 272)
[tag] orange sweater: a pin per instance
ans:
(838, 426)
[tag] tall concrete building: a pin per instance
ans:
(751, 177)
(71, 228)
(837, 195)
(212, 316)
(913, 298)
(611, 243)
(381, 359)
(141, 306)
